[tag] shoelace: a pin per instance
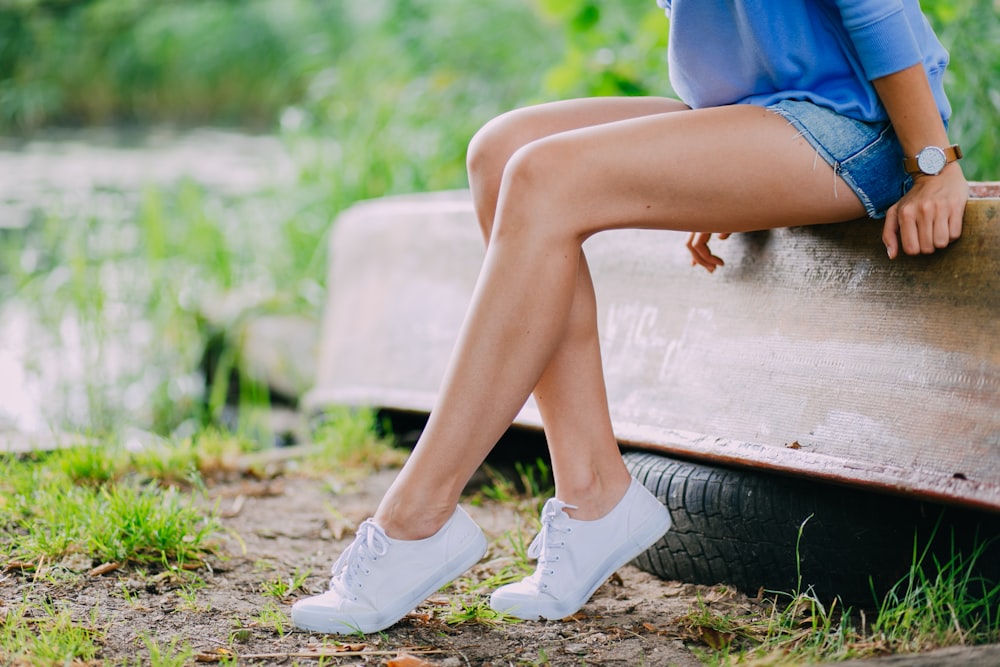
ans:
(548, 539)
(369, 543)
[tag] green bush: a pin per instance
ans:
(400, 85)
(104, 61)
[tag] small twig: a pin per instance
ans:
(323, 654)
(104, 568)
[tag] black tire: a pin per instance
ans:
(755, 530)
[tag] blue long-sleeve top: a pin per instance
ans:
(825, 51)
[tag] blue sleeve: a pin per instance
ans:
(881, 34)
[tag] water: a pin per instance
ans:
(77, 328)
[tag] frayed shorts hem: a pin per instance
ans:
(867, 156)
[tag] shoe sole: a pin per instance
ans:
(318, 621)
(647, 535)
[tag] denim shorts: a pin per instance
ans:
(866, 155)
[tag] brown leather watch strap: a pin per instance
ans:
(951, 153)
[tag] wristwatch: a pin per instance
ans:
(931, 160)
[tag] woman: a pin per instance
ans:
(813, 104)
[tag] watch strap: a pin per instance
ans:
(951, 154)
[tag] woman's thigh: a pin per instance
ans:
(725, 169)
(526, 124)
(493, 145)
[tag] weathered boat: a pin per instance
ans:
(809, 357)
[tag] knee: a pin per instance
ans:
(538, 199)
(538, 170)
(492, 146)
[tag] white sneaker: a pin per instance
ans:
(575, 557)
(378, 580)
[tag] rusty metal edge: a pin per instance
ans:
(924, 485)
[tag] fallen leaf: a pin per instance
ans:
(673, 589)
(351, 647)
(715, 639)
(337, 647)
(407, 660)
(419, 617)
(20, 565)
(339, 526)
(718, 594)
(217, 655)
(439, 600)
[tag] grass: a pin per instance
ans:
(273, 618)
(281, 588)
(940, 603)
(944, 603)
(120, 523)
(173, 654)
(41, 635)
(106, 504)
(102, 505)
(351, 443)
(530, 481)
(110, 504)
(145, 511)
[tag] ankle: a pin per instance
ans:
(411, 521)
(595, 496)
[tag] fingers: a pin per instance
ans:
(928, 217)
(697, 245)
(890, 230)
(925, 227)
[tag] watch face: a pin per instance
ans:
(931, 160)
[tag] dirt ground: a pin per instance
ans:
(280, 526)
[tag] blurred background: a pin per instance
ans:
(169, 171)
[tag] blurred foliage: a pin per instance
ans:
(615, 48)
(102, 61)
(399, 86)
(971, 31)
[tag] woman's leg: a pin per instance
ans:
(570, 394)
(704, 170)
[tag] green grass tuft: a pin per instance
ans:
(41, 635)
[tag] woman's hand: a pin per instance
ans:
(697, 244)
(929, 216)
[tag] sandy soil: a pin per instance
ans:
(279, 526)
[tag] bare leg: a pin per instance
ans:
(570, 395)
(690, 170)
